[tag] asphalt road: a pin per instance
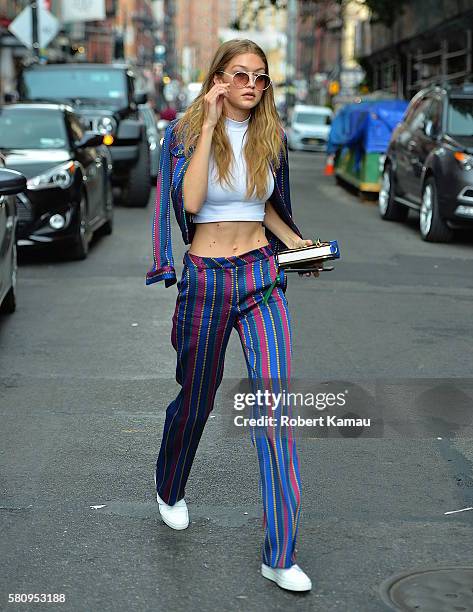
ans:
(87, 370)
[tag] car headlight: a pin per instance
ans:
(104, 125)
(60, 176)
(465, 159)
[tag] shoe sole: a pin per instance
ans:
(168, 523)
(289, 586)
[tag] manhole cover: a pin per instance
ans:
(443, 589)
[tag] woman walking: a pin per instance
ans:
(224, 167)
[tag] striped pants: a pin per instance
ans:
(216, 294)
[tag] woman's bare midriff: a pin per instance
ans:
(226, 238)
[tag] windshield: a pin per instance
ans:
(311, 118)
(96, 84)
(32, 129)
(460, 117)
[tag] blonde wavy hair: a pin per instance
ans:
(264, 141)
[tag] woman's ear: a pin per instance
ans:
(217, 79)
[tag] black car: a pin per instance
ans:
(153, 136)
(103, 95)
(11, 183)
(429, 163)
(69, 194)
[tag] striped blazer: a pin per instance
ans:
(172, 167)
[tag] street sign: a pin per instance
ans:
(22, 27)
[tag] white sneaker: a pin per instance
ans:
(291, 578)
(176, 516)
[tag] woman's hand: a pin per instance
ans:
(301, 242)
(213, 103)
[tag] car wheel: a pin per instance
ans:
(80, 247)
(432, 227)
(388, 208)
(138, 187)
(8, 305)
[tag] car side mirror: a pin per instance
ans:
(11, 182)
(89, 139)
(140, 98)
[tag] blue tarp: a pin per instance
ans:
(365, 127)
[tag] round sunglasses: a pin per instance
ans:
(241, 79)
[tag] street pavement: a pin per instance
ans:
(87, 371)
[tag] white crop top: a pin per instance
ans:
(223, 203)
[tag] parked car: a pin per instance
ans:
(149, 119)
(309, 128)
(429, 163)
(11, 183)
(69, 193)
(103, 95)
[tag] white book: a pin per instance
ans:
(326, 250)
